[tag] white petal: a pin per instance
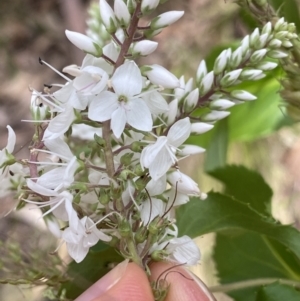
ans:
(184, 250)
(102, 106)
(118, 121)
(161, 164)
(11, 140)
(138, 115)
(179, 132)
(59, 147)
(59, 124)
(127, 80)
(77, 251)
(40, 189)
(151, 209)
(150, 152)
(157, 187)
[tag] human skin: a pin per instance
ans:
(128, 282)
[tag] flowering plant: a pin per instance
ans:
(122, 190)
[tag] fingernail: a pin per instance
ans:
(105, 283)
(202, 286)
(111, 278)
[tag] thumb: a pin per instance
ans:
(126, 282)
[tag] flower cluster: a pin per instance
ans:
(122, 183)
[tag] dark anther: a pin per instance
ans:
(48, 86)
(40, 61)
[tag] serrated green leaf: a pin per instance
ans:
(245, 185)
(219, 213)
(95, 265)
(278, 292)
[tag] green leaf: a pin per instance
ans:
(245, 185)
(260, 258)
(278, 292)
(258, 118)
(216, 152)
(95, 265)
(219, 213)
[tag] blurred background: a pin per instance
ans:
(261, 136)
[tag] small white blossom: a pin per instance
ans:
(125, 105)
(160, 156)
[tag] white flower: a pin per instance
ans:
(92, 80)
(160, 156)
(221, 104)
(201, 71)
(125, 105)
(151, 209)
(79, 239)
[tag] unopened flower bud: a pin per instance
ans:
(108, 17)
(166, 19)
(236, 58)
(254, 38)
(242, 95)
(206, 83)
(220, 62)
(122, 14)
(215, 115)
(221, 104)
(275, 43)
(187, 150)
(277, 54)
(172, 113)
(278, 24)
(144, 47)
(281, 35)
(136, 146)
(267, 28)
(159, 75)
(84, 43)
(262, 41)
(191, 100)
(201, 72)
(230, 78)
(287, 44)
(258, 55)
(250, 74)
(265, 66)
(148, 6)
(198, 128)
(245, 44)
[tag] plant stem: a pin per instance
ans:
(251, 283)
